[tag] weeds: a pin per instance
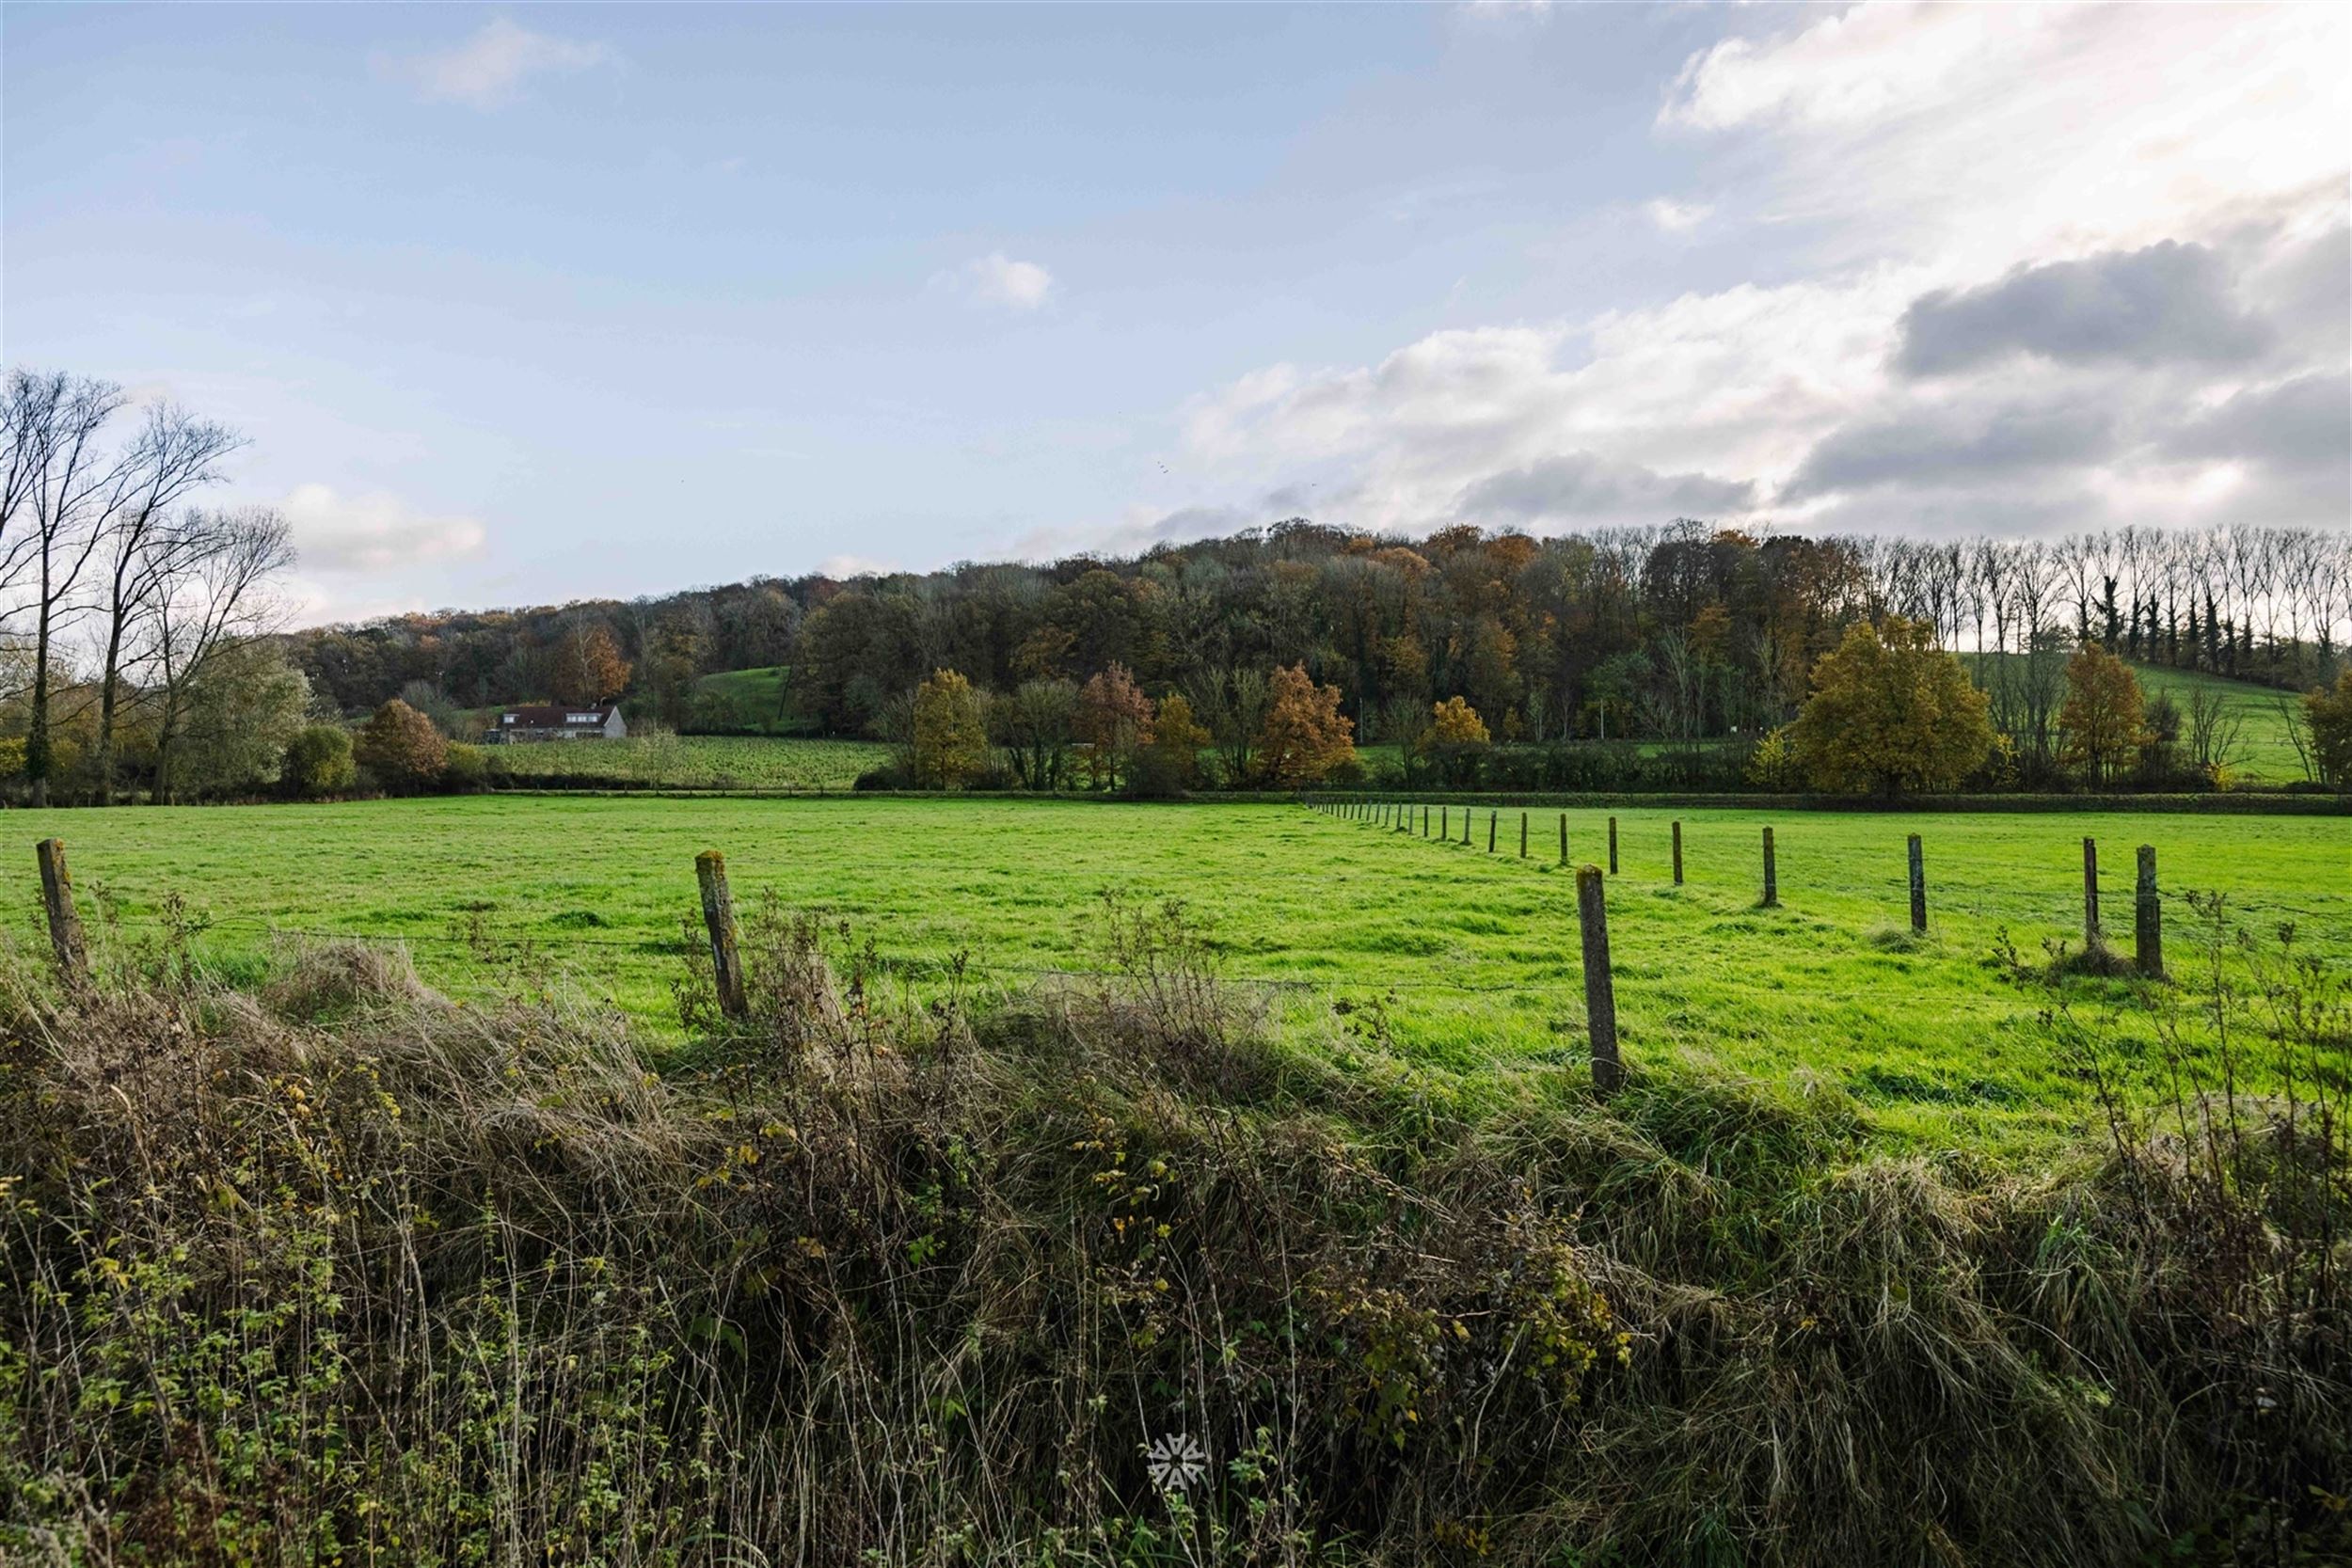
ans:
(332, 1270)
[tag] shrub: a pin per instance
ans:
(319, 763)
(465, 769)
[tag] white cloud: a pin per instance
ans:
(489, 69)
(336, 535)
(1677, 218)
(2044, 173)
(998, 280)
(843, 567)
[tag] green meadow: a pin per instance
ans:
(1445, 959)
(700, 762)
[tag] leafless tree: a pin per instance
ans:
(60, 476)
(2216, 726)
(211, 572)
(172, 454)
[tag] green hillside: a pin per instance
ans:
(2263, 752)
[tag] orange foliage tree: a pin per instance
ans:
(1305, 735)
(2103, 719)
(588, 665)
(1114, 723)
(400, 746)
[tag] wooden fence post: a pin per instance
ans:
(1523, 835)
(2147, 918)
(1918, 887)
(2091, 936)
(1490, 831)
(1445, 824)
(1771, 875)
(726, 961)
(1564, 838)
(65, 925)
(1677, 854)
(1613, 847)
(1600, 997)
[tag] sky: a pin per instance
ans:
(529, 304)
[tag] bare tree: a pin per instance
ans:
(2216, 726)
(211, 572)
(173, 454)
(58, 478)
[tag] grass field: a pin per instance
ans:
(2264, 753)
(1433, 955)
(701, 762)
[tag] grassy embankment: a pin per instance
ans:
(1463, 966)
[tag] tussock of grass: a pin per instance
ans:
(341, 1270)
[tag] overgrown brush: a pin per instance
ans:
(335, 1270)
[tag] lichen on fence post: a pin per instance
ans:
(1613, 847)
(2092, 938)
(726, 959)
(56, 896)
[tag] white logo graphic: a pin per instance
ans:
(1176, 1462)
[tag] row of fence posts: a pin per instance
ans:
(1593, 915)
(1600, 1004)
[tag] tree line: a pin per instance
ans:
(1678, 638)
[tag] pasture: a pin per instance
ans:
(1407, 954)
(700, 762)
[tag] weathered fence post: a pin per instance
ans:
(1445, 824)
(726, 962)
(1771, 875)
(1424, 821)
(1491, 816)
(1523, 835)
(1918, 887)
(1564, 838)
(1677, 854)
(57, 895)
(1613, 847)
(1600, 997)
(2092, 937)
(2147, 918)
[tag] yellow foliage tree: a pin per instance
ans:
(1890, 711)
(1454, 722)
(1305, 735)
(2103, 717)
(1176, 742)
(950, 740)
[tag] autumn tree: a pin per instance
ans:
(2327, 716)
(588, 667)
(1890, 711)
(402, 748)
(2102, 718)
(951, 739)
(1455, 736)
(1171, 764)
(1305, 735)
(1114, 723)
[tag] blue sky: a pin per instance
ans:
(531, 303)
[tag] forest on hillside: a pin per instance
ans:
(1680, 633)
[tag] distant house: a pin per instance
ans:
(545, 721)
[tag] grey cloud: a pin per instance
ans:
(1584, 485)
(2300, 426)
(1935, 444)
(2169, 302)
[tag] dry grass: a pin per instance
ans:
(336, 1270)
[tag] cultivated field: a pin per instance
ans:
(1408, 955)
